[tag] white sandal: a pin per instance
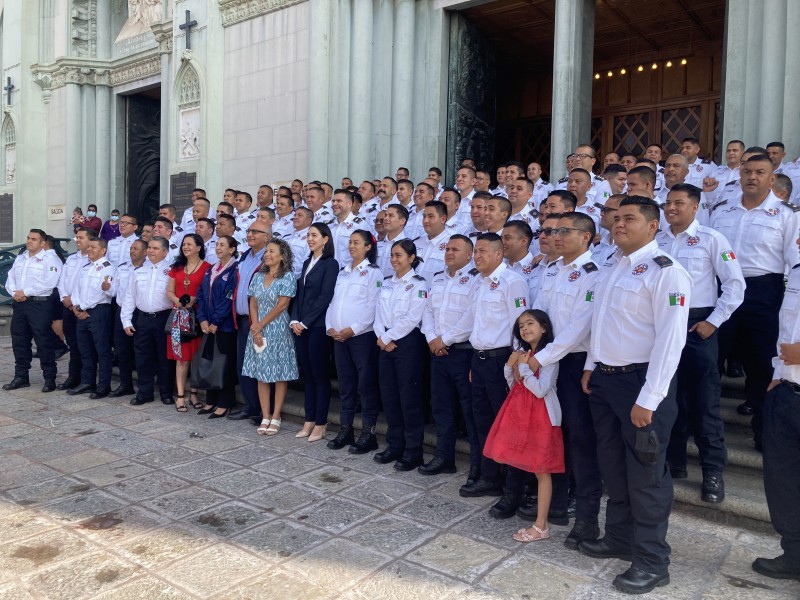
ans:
(274, 427)
(525, 536)
(263, 428)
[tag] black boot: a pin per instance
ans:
(16, 383)
(506, 507)
(367, 442)
(582, 531)
(344, 438)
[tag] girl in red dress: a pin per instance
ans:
(186, 276)
(526, 434)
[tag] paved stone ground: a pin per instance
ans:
(99, 499)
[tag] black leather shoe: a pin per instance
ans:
(67, 384)
(437, 466)
(122, 390)
(215, 415)
(83, 388)
(474, 474)
(582, 531)
(366, 442)
(745, 408)
(480, 489)
(777, 568)
(734, 369)
(49, 386)
(408, 464)
(137, 401)
(62, 351)
(506, 507)
(528, 503)
(602, 549)
(344, 438)
(678, 472)
(713, 489)
(16, 383)
(202, 411)
(636, 581)
(100, 393)
(572, 506)
(168, 400)
(240, 415)
(388, 456)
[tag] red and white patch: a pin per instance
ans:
(494, 285)
(443, 246)
(699, 169)
(527, 270)
(773, 212)
(409, 286)
(693, 241)
(463, 280)
(166, 271)
(348, 225)
(574, 275)
(639, 269)
(363, 273)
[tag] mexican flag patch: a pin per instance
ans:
(422, 294)
(729, 255)
(590, 296)
(677, 299)
(520, 302)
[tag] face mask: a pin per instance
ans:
(91, 213)
(115, 217)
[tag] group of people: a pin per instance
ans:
(575, 331)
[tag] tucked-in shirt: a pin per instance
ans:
(641, 311)
(355, 298)
(501, 297)
(789, 332)
(35, 275)
(247, 266)
(707, 255)
(400, 306)
(449, 312)
(763, 238)
(147, 291)
(69, 274)
(89, 291)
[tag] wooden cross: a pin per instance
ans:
(9, 88)
(187, 27)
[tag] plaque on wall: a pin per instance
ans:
(180, 192)
(7, 219)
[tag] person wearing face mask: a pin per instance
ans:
(92, 221)
(110, 229)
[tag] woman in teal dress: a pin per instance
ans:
(271, 290)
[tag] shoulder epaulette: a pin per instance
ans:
(544, 181)
(797, 266)
(718, 204)
(590, 267)
(706, 161)
(563, 180)
(791, 205)
(416, 238)
(387, 277)
(438, 273)
(599, 178)
(173, 246)
(663, 261)
(373, 266)
(372, 208)
(139, 267)
(178, 228)
(106, 263)
(731, 182)
(357, 220)
(552, 264)
(474, 272)
(342, 269)
(418, 277)
(475, 234)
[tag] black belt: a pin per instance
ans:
(493, 353)
(153, 315)
(40, 298)
(461, 346)
(700, 313)
(609, 370)
(238, 316)
(792, 386)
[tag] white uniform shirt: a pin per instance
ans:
(89, 292)
(121, 282)
(591, 211)
(453, 225)
(762, 238)
(119, 249)
(211, 250)
(283, 227)
(69, 274)
(500, 298)
(385, 251)
(147, 291)
(604, 248)
(706, 255)
(699, 170)
(537, 275)
(341, 237)
(432, 254)
(789, 332)
(187, 216)
(568, 300)
(324, 215)
(35, 275)
(449, 312)
(703, 210)
(541, 190)
(355, 298)
(300, 250)
(465, 207)
(400, 306)
(243, 222)
(641, 311)
(525, 215)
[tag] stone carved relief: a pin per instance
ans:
(11, 164)
(236, 11)
(83, 28)
(141, 15)
(189, 90)
(190, 133)
(10, 150)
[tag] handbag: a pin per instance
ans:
(187, 324)
(208, 365)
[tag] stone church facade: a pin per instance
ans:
(131, 103)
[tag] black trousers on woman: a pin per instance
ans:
(226, 397)
(313, 352)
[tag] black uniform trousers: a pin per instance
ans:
(782, 467)
(450, 387)
(226, 344)
(248, 385)
(489, 391)
(639, 495)
(313, 347)
(71, 336)
(150, 344)
(753, 331)
(400, 374)
(356, 368)
(698, 396)
(123, 347)
(94, 345)
(33, 320)
(580, 441)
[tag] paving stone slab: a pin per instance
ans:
(78, 507)
(250, 454)
(184, 502)
(289, 465)
(405, 581)
(116, 526)
(278, 584)
(331, 479)
(457, 556)
(40, 551)
(434, 509)
(14, 591)
(334, 514)
(390, 534)
(242, 482)
(113, 472)
(81, 460)
(215, 444)
(81, 578)
(525, 576)
(144, 588)
(284, 498)
(228, 519)
(23, 524)
(48, 491)
(148, 485)
(280, 539)
(382, 493)
(161, 546)
(198, 470)
(169, 457)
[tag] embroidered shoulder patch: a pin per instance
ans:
(663, 261)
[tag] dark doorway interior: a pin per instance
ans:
(143, 164)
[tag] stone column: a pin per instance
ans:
(103, 146)
(319, 75)
(572, 79)
(402, 83)
(166, 114)
(74, 147)
(360, 90)
(382, 101)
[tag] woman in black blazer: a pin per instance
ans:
(314, 293)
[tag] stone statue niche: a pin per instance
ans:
(141, 15)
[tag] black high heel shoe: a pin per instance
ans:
(205, 411)
(214, 415)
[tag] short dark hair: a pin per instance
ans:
(268, 210)
(401, 210)
(201, 190)
(784, 182)
(439, 207)
(691, 140)
(436, 170)
(755, 150)
(649, 208)
(451, 190)
(100, 241)
(617, 168)
(568, 198)
(583, 222)
(346, 193)
(168, 207)
(407, 182)
(467, 168)
(206, 220)
(759, 158)
(463, 238)
(246, 195)
(372, 185)
(226, 204)
(691, 190)
(583, 171)
(166, 222)
(161, 241)
(645, 173)
(740, 142)
(131, 217)
(225, 217)
(490, 237)
(776, 145)
(505, 205)
(522, 228)
(266, 185)
(430, 187)
(40, 232)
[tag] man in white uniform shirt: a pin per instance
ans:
(205, 229)
(344, 224)
(541, 188)
(676, 171)
(394, 224)
(119, 248)
(431, 246)
(67, 283)
(303, 217)
(284, 212)
(465, 184)
(699, 168)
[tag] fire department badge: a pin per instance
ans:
(463, 280)
(639, 269)
(773, 212)
(574, 275)
(494, 285)
(363, 273)
(443, 246)
(409, 286)
(693, 241)
(527, 269)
